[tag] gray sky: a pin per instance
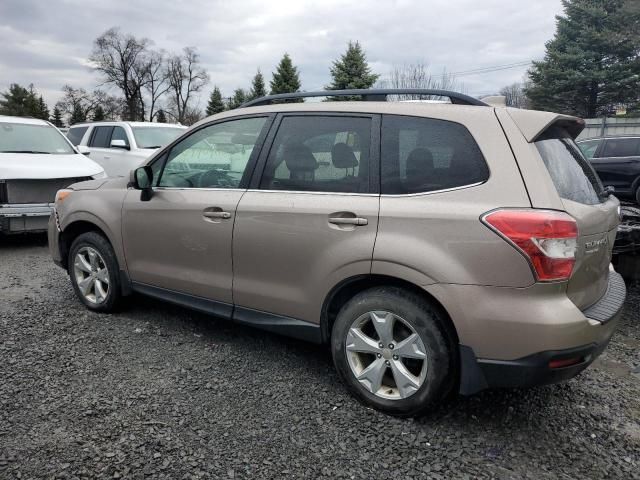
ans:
(47, 42)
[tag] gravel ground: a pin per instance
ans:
(158, 391)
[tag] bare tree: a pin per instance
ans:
(185, 77)
(515, 96)
(157, 79)
(418, 76)
(119, 58)
(77, 104)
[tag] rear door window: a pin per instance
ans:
(424, 155)
(571, 173)
(621, 147)
(101, 137)
(320, 154)
(75, 135)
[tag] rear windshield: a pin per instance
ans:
(574, 177)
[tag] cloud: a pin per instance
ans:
(47, 43)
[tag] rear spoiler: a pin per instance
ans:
(533, 123)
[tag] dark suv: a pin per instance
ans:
(617, 161)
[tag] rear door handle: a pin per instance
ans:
(358, 221)
(216, 214)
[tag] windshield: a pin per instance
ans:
(155, 137)
(25, 138)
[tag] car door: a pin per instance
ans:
(310, 219)
(99, 142)
(118, 158)
(178, 243)
(617, 163)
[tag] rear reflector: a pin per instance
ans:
(565, 362)
(547, 238)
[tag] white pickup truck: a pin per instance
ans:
(36, 160)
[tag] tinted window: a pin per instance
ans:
(319, 154)
(119, 134)
(589, 148)
(621, 147)
(571, 173)
(213, 157)
(423, 155)
(101, 137)
(75, 134)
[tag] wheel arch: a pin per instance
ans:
(346, 289)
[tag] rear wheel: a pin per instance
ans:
(390, 348)
(94, 272)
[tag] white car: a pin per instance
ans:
(36, 161)
(119, 147)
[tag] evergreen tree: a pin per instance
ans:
(285, 78)
(258, 88)
(98, 114)
(239, 97)
(161, 117)
(56, 118)
(351, 71)
(216, 104)
(593, 62)
(43, 110)
(20, 102)
(78, 115)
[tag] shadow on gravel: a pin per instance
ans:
(23, 240)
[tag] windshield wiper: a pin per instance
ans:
(153, 146)
(23, 151)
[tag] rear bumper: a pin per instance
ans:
(19, 218)
(600, 321)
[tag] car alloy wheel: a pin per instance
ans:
(386, 355)
(91, 275)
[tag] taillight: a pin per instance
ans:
(547, 238)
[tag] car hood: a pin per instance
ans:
(41, 166)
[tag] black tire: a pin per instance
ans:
(427, 323)
(638, 195)
(99, 243)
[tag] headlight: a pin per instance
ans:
(62, 194)
(100, 175)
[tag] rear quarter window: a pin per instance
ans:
(422, 155)
(571, 173)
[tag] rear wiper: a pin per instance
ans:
(23, 151)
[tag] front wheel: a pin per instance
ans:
(94, 272)
(390, 349)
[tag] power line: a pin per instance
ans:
(494, 68)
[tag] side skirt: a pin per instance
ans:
(291, 327)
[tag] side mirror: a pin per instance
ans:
(142, 179)
(118, 143)
(609, 190)
(83, 149)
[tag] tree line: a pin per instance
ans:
(591, 67)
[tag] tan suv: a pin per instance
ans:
(435, 247)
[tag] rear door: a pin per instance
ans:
(310, 220)
(596, 214)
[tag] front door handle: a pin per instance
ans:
(106, 157)
(216, 214)
(358, 221)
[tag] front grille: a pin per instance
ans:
(35, 191)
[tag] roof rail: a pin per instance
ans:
(376, 95)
